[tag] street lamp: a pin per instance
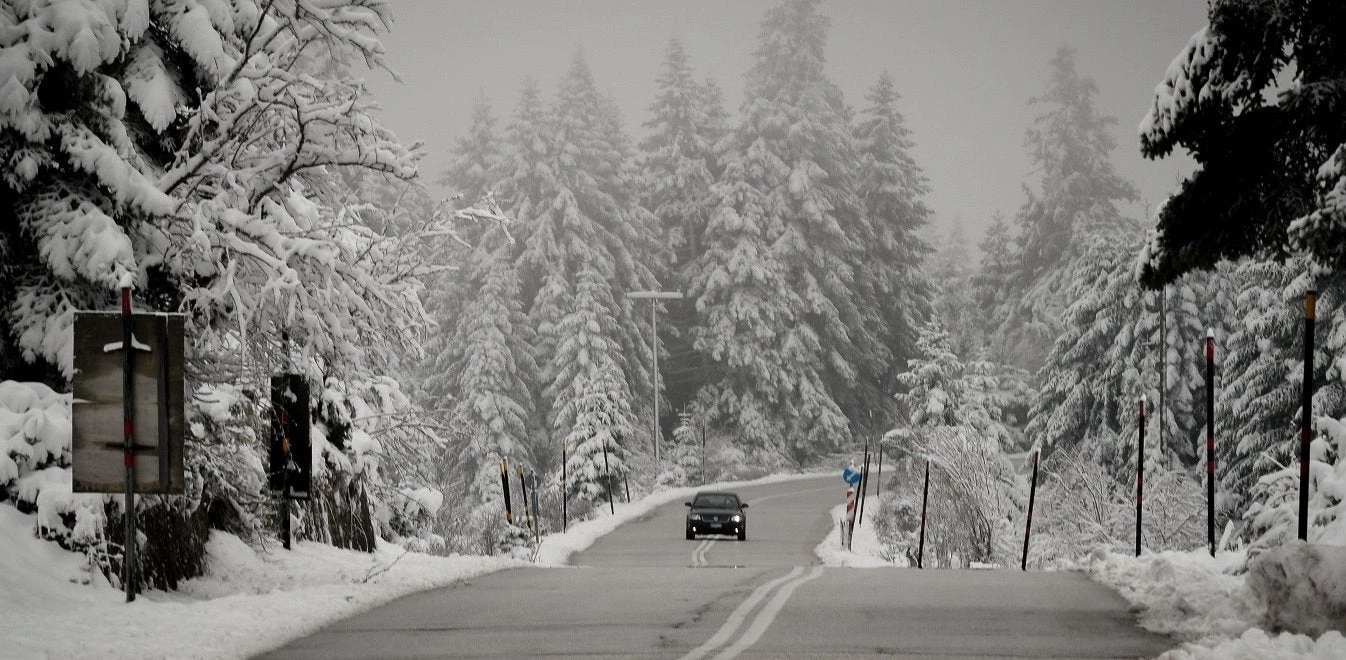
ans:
(652, 296)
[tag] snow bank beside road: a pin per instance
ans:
(1216, 614)
(865, 550)
(53, 605)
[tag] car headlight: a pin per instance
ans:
(694, 516)
(738, 518)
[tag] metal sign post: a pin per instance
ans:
(128, 447)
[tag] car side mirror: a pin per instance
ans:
(743, 505)
(687, 503)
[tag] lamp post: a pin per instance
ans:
(653, 296)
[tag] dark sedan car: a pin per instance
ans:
(717, 513)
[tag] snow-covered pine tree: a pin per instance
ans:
(476, 161)
(588, 387)
(677, 168)
(494, 370)
(930, 388)
(891, 186)
(1069, 145)
(476, 157)
(586, 241)
(950, 269)
(780, 314)
(989, 283)
(1091, 380)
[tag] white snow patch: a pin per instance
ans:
(865, 550)
(1195, 598)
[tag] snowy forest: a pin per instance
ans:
(226, 156)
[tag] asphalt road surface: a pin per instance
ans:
(644, 591)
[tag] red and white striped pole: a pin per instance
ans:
(1210, 438)
(1306, 418)
(1140, 473)
(128, 444)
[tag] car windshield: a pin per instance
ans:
(716, 501)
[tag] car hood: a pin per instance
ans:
(717, 511)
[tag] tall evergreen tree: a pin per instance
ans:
(891, 186)
(586, 240)
(477, 156)
(678, 167)
(494, 370)
(476, 163)
(1069, 145)
(776, 286)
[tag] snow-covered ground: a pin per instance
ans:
(865, 550)
(1191, 596)
(53, 606)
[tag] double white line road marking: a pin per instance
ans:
(791, 581)
(699, 554)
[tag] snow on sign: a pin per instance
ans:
(96, 415)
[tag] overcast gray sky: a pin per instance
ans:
(965, 68)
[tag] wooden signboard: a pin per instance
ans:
(97, 440)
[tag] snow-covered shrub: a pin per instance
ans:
(1274, 512)
(1081, 506)
(1302, 585)
(34, 435)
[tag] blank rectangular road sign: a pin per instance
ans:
(97, 435)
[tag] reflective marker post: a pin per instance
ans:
(864, 486)
(925, 498)
(1306, 419)
(1210, 438)
(1140, 473)
(1028, 525)
(504, 484)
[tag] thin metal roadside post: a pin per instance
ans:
(864, 486)
(925, 498)
(128, 433)
(1028, 524)
(1210, 438)
(1306, 419)
(1140, 473)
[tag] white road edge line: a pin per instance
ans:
(731, 624)
(766, 616)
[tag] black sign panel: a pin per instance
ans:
(291, 469)
(97, 411)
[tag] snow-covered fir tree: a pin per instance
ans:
(678, 165)
(891, 187)
(1069, 145)
(781, 315)
(951, 271)
(494, 370)
(586, 241)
